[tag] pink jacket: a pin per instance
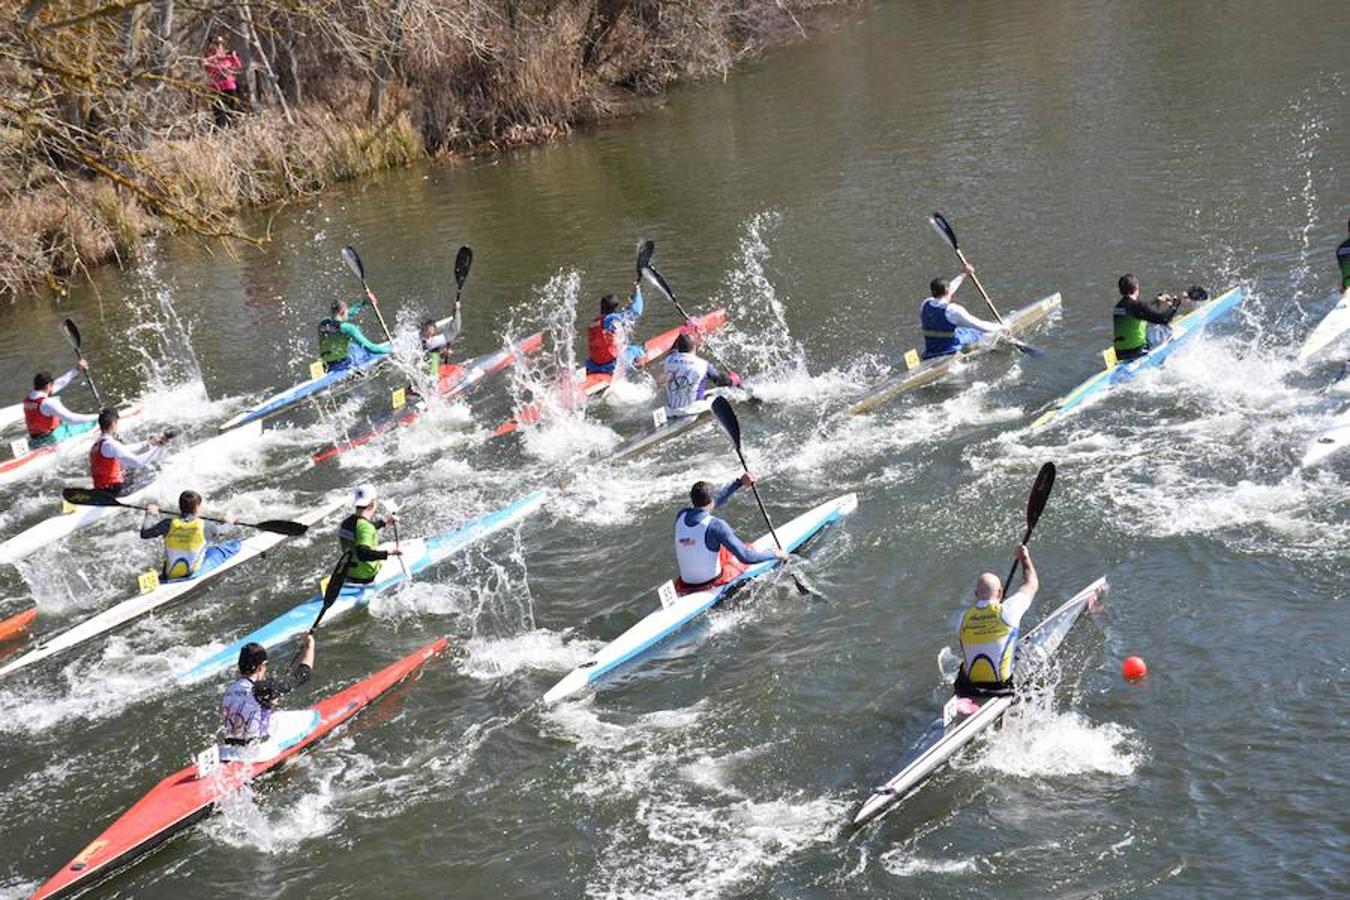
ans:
(221, 68)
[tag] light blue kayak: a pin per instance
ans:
(1182, 328)
(418, 555)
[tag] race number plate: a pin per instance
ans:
(398, 398)
(147, 581)
(667, 594)
(1109, 355)
(911, 358)
(659, 417)
(208, 761)
(316, 369)
(18, 448)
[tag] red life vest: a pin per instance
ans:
(603, 346)
(107, 471)
(39, 423)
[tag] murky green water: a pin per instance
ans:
(1067, 143)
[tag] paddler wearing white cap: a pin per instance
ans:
(358, 534)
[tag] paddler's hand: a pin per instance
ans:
(967, 268)
(749, 480)
(735, 378)
(783, 555)
(82, 365)
(370, 295)
(1023, 554)
(396, 552)
(152, 508)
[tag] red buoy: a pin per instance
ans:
(1134, 668)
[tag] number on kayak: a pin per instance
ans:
(208, 761)
(659, 416)
(911, 358)
(148, 582)
(667, 594)
(316, 369)
(1109, 354)
(398, 398)
(18, 448)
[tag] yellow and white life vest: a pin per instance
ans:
(184, 547)
(987, 643)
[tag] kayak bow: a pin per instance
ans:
(1329, 330)
(186, 797)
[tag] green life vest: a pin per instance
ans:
(431, 361)
(333, 342)
(1131, 332)
(354, 532)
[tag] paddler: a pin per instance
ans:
(1343, 257)
(436, 343)
(607, 334)
(341, 341)
(1141, 325)
(687, 376)
(189, 541)
(707, 550)
(109, 458)
(948, 326)
(48, 420)
(358, 534)
(247, 707)
(989, 631)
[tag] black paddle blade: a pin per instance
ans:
(72, 333)
(939, 223)
(283, 526)
(1195, 292)
(89, 497)
(463, 260)
(726, 417)
(1040, 493)
(659, 280)
(353, 262)
(644, 257)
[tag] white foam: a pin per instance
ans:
(489, 659)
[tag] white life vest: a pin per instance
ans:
(697, 564)
(184, 547)
(686, 375)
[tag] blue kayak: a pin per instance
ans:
(418, 555)
(1182, 328)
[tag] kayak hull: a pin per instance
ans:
(1182, 328)
(673, 428)
(666, 621)
(168, 592)
(418, 555)
(1329, 331)
(931, 370)
(1330, 442)
(590, 384)
(184, 798)
(954, 730)
(17, 624)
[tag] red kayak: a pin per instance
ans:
(453, 381)
(588, 384)
(16, 624)
(183, 798)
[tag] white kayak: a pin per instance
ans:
(1335, 324)
(10, 415)
(1330, 442)
(160, 595)
(73, 518)
(678, 611)
(957, 727)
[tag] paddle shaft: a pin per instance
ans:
(73, 336)
(762, 511)
(664, 288)
(980, 287)
(359, 269)
(263, 526)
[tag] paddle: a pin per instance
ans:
(336, 580)
(726, 417)
(948, 234)
(463, 260)
(94, 497)
(645, 269)
(73, 338)
(354, 263)
(407, 575)
(1040, 492)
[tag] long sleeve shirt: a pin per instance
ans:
(112, 448)
(625, 317)
(720, 534)
(52, 406)
(1148, 310)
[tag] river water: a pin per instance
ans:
(1067, 143)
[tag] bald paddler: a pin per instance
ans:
(48, 420)
(948, 326)
(359, 535)
(607, 333)
(707, 550)
(114, 466)
(687, 376)
(989, 632)
(341, 341)
(190, 542)
(247, 709)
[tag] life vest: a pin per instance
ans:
(184, 547)
(358, 532)
(697, 564)
(987, 643)
(246, 721)
(106, 471)
(333, 342)
(1343, 257)
(1130, 332)
(602, 346)
(39, 423)
(686, 377)
(939, 335)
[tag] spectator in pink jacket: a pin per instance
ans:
(222, 64)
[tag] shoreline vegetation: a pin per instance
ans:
(122, 119)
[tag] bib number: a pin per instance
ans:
(911, 358)
(18, 448)
(148, 581)
(659, 418)
(208, 761)
(667, 594)
(316, 369)
(398, 398)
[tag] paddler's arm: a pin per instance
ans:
(456, 326)
(353, 331)
(728, 379)
(720, 533)
(123, 454)
(153, 525)
(630, 315)
(273, 687)
(1016, 606)
(959, 316)
(61, 383)
(1156, 311)
(54, 407)
(729, 490)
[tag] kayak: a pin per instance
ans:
(73, 518)
(162, 593)
(678, 611)
(28, 461)
(13, 626)
(1330, 442)
(453, 382)
(590, 384)
(189, 795)
(919, 372)
(11, 415)
(418, 555)
(319, 382)
(1329, 330)
(962, 721)
(1119, 373)
(667, 427)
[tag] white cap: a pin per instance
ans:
(363, 496)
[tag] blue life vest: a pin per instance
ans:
(939, 335)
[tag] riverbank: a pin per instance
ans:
(75, 202)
